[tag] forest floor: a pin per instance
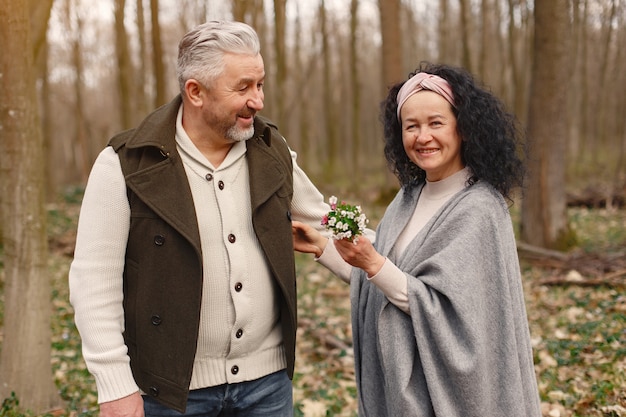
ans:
(576, 305)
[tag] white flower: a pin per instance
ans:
(344, 221)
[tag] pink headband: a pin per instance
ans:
(424, 81)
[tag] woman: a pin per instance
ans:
(438, 315)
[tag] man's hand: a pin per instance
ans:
(131, 406)
(306, 239)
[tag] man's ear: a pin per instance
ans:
(194, 92)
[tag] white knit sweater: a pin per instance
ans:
(96, 272)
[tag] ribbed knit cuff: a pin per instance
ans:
(115, 383)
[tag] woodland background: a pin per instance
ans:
(74, 72)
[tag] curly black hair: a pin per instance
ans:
(492, 145)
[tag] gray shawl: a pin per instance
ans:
(465, 349)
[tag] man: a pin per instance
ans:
(183, 281)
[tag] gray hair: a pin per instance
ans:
(201, 50)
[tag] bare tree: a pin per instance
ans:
(248, 11)
(40, 13)
(544, 220)
(355, 90)
(487, 40)
(80, 134)
(330, 115)
(444, 32)
(302, 70)
(520, 59)
(392, 42)
(619, 173)
(125, 70)
(603, 117)
(280, 61)
(466, 34)
(583, 111)
(25, 367)
(157, 56)
(142, 98)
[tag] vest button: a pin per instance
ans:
(239, 334)
(234, 370)
(220, 184)
(159, 240)
(154, 391)
(231, 238)
(238, 286)
(209, 177)
(156, 320)
(289, 215)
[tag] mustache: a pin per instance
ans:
(247, 112)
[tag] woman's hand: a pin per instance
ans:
(306, 239)
(361, 254)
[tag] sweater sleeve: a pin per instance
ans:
(96, 278)
(393, 283)
(331, 259)
(307, 205)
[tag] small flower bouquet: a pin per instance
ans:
(344, 221)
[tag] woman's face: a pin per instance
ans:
(429, 135)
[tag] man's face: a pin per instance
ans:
(235, 97)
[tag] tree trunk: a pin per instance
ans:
(544, 220)
(444, 50)
(40, 14)
(250, 12)
(602, 118)
(242, 10)
(141, 94)
(157, 55)
(355, 92)
(485, 46)
(306, 157)
(83, 153)
(575, 95)
(392, 42)
(124, 67)
(518, 58)
(586, 140)
(392, 64)
(329, 104)
(280, 61)
(25, 367)
(619, 77)
(466, 34)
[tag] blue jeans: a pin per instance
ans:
(269, 396)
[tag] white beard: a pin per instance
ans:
(239, 135)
